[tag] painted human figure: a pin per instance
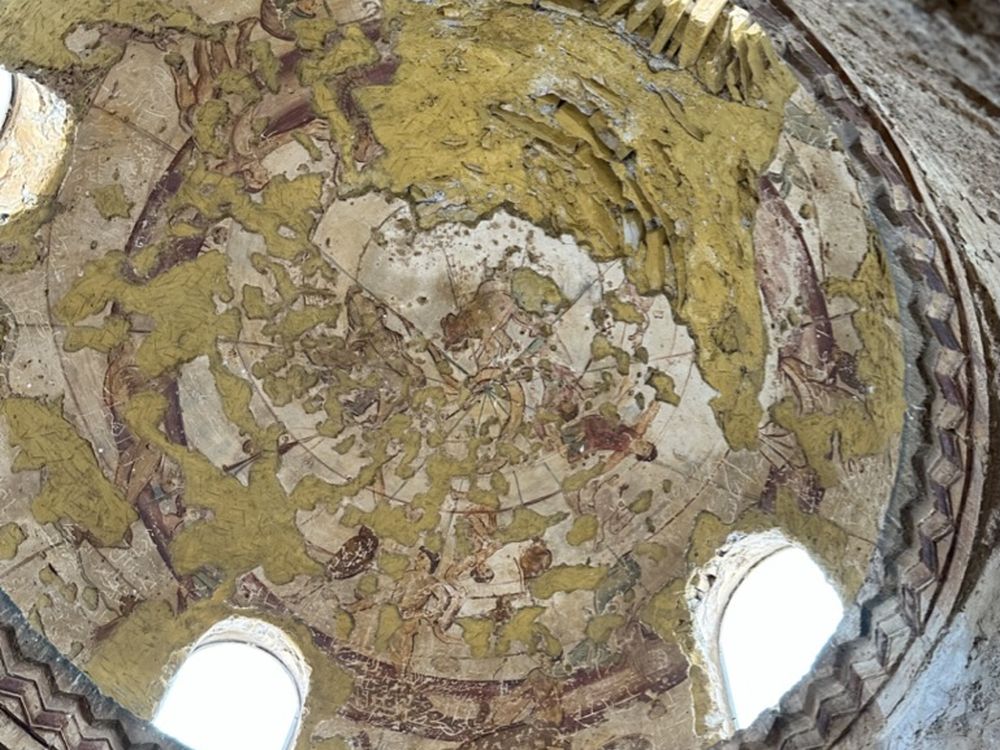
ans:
(372, 344)
(484, 319)
(814, 368)
(423, 599)
(597, 433)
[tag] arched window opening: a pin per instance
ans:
(34, 137)
(761, 611)
(242, 685)
(6, 96)
(776, 622)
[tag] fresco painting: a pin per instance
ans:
(358, 318)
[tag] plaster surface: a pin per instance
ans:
(451, 339)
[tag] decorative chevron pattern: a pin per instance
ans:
(729, 52)
(56, 706)
(76, 717)
(904, 617)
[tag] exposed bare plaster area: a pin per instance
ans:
(457, 341)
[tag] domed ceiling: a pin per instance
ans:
(451, 337)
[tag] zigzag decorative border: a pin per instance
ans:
(925, 567)
(54, 703)
(924, 562)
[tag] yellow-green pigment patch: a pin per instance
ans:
(600, 627)
(66, 591)
(666, 612)
(526, 524)
(567, 578)
(11, 538)
(524, 628)
(623, 311)
(583, 530)
(536, 293)
(111, 202)
(262, 508)
(602, 348)
(34, 35)
(642, 502)
(99, 338)
(664, 387)
(74, 488)
(181, 303)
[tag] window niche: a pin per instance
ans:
(35, 127)
(762, 612)
(6, 96)
(243, 684)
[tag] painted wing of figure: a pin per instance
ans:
(354, 556)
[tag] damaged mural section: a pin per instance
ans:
(449, 338)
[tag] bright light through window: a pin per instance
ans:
(231, 695)
(776, 623)
(34, 139)
(6, 94)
